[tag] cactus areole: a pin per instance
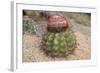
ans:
(57, 23)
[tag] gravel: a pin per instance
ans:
(33, 53)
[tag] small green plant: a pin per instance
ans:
(59, 44)
(28, 27)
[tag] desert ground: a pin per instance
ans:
(33, 53)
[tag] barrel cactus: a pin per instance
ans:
(60, 39)
(59, 44)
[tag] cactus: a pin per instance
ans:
(59, 44)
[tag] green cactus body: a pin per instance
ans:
(58, 44)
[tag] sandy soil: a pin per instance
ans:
(33, 53)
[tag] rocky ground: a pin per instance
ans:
(33, 53)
